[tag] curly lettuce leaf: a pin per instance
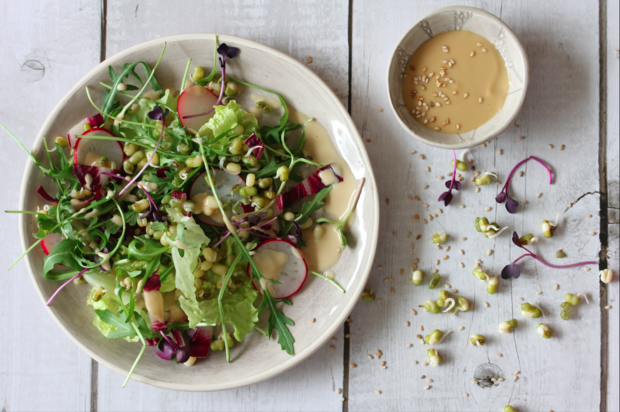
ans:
(106, 307)
(184, 280)
(228, 117)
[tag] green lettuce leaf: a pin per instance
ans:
(106, 321)
(169, 284)
(184, 281)
(228, 117)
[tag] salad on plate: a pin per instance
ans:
(188, 214)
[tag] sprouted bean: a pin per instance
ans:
(477, 340)
(508, 326)
(417, 276)
(548, 228)
(433, 357)
(440, 238)
(544, 331)
(606, 275)
(531, 310)
(434, 281)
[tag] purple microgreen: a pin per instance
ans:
(512, 270)
(156, 114)
(446, 197)
(152, 203)
(225, 51)
(457, 185)
(511, 205)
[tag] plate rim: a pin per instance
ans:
(373, 225)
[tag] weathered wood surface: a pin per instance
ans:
(46, 48)
(562, 40)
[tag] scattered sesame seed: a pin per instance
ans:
(489, 252)
(570, 205)
(477, 190)
(309, 61)
(539, 292)
(539, 195)
(592, 233)
(407, 323)
(422, 156)
(332, 347)
(521, 299)
(486, 304)
(413, 312)
(465, 394)
(379, 353)
(463, 238)
(412, 151)
(501, 379)
(480, 101)
(488, 209)
(380, 109)
(517, 372)
(425, 187)
(461, 251)
(370, 357)
(455, 291)
(387, 200)
(409, 345)
(524, 202)
(550, 146)
(383, 363)
(586, 269)
(444, 257)
(475, 382)
(522, 137)
(515, 378)
(409, 234)
(429, 380)
(437, 261)
(521, 173)
(556, 287)
(313, 320)
(392, 290)
(461, 327)
(434, 271)
(415, 362)
(341, 399)
(462, 206)
(472, 54)
(462, 265)
(608, 307)
(448, 286)
(347, 336)
(484, 50)
(421, 328)
(394, 234)
(339, 390)
(493, 380)
(500, 152)
(588, 216)
(378, 392)
(427, 387)
(499, 355)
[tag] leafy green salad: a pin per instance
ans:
(182, 213)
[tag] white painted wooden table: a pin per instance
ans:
(573, 101)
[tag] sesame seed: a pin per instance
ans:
(423, 377)
(484, 50)
(522, 138)
(588, 216)
(409, 345)
(418, 336)
(339, 390)
(455, 291)
(417, 198)
(472, 54)
(347, 336)
(380, 109)
(407, 323)
(434, 271)
(378, 392)
(592, 233)
(461, 251)
(479, 44)
(387, 200)
(437, 128)
(570, 205)
(465, 95)
(392, 290)
(379, 353)
(539, 195)
(515, 378)
(501, 379)
(517, 372)
(484, 145)
(524, 202)
(462, 265)
(447, 248)
(550, 146)
(488, 209)
(341, 399)
(313, 320)
(521, 299)
(422, 156)
(462, 206)
(499, 355)
(461, 327)
(477, 190)
(521, 174)
(458, 127)
(394, 234)
(486, 304)
(480, 100)
(465, 394)
(448, 286)
(425, 187)
(608, 307)
(493, 380)
(415, 362)
(429, 380)
(412, 152)
(332, 347)
(421, 328)
(500, 152)
(586, 269)
(370, 357)
(539, 292)
(562, 148)
(424, 204)
(413, 312)
(427, 387)
(489, 252)
(475, 382)
(444, 257)
(383, 363)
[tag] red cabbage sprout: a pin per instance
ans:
(511, 204)
(446, 197)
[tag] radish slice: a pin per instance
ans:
(224, 182)
(88, 151)
(280, 260)
(195, 100)
(78, 129)
(50, 242)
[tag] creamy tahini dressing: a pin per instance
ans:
(323, 253)
(269, 262)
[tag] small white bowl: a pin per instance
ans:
(479, 22)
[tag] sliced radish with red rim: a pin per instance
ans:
(280, 260)
(78, 129)
(88, 151)
(50, 242)
(195, 100)
(224, 182)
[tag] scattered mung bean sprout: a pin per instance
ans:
(508, 326)
(544, 331)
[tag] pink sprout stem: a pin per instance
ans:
(174, 345)
(243, 229)
(454, 171)
(553, 266)
(514, 169)
(148, 196)
(161, 135)
(65, 284)
(222, 239)
(191, 116)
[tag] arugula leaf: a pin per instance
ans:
(278, 321)
(62, 254)
(306, 210)
(123, 328)
(155, 226)
(151, 248)
(126, 71)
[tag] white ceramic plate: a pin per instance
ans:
(479, 22)
(256, 358)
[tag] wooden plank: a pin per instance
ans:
(613, 200)
(46, 48)
(290, 28)
(559, 110)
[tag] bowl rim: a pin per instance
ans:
(526, 79)
(373, 224)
